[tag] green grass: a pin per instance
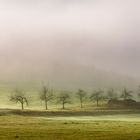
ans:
(14, 127)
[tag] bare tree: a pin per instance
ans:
(19, 97)
(138, 93)
(111, 94)
(46, 95)
(97, 96)
(126, 94)
(81, 94)
(64, 98)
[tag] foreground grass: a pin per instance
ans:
(14, 127)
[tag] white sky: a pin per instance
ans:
(38, 35)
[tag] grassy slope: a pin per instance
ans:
(41, 128)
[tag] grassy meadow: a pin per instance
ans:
(63, 126)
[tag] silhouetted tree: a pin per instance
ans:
(97, 96)
(111, 94)
(19, 97)
(63, 98)
(138, 92)
(126, 94)
(81, 94)
(46, 95)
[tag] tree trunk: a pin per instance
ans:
(46, 105)
(22, 106)
(63, 107)
(81, 105)
(97, 102)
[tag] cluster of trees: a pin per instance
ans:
(64, 97)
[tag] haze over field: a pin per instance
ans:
(88, 43)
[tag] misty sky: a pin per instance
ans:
(49, 39)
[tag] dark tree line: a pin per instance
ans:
(47, 95)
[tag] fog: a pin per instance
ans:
(70, 43)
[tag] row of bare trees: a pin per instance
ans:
(64, 97)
